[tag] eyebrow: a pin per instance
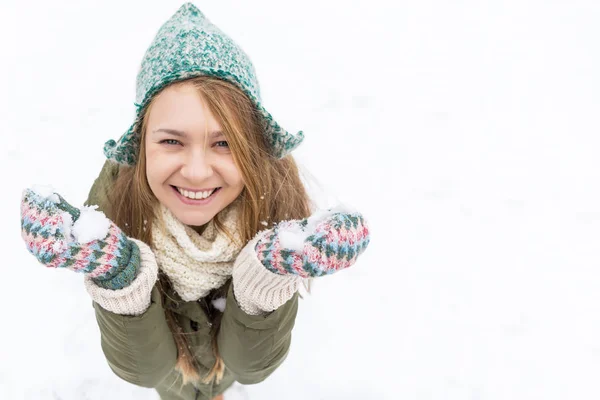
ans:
(178, 133)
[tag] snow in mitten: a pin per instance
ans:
(83, 240)
(320, 245)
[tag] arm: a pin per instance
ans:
(135, 338)
(256, 331)
(120, 274)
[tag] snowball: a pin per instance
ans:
(265, 223)
(46, 191)
(292, 236)
(91, 225)
(219, 303)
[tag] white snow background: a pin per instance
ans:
(467, 132)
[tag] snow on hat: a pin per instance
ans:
(186, 46)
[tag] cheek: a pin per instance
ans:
(159, 166)
(231, 173)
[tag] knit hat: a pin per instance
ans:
(186, 46)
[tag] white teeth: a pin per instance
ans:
(196, 195)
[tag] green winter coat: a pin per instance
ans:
(141, 349)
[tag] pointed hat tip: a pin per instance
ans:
(188, 11)
(190, 8)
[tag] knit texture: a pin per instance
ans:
(335, 244)
(186, 46)
(133, 299)
(258, 290)
(46, 225)
(196, 263)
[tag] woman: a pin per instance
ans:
(195, 272)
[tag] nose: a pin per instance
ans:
(197, 166)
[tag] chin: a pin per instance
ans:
(192, 218)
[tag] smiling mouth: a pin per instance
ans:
(196, 195)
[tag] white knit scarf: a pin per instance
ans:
(196, 263)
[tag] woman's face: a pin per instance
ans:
(189, 165)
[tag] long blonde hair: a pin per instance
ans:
(273, 191)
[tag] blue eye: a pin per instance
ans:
(170, 142)
(222, 143)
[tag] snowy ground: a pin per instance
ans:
(467, 132)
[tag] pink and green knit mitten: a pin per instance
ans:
(62, 236)
(320, 245)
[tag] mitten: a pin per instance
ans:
(270, 268)
(320, 245)
(62, 236)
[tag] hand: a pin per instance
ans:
(320, 245)
(62, 236)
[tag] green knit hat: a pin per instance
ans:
(186, 46)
